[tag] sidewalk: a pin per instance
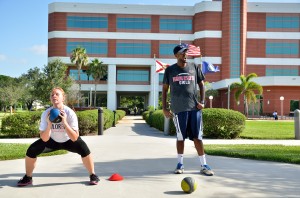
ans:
(146, 158)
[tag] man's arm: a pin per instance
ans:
(201, 104)
(166, 111)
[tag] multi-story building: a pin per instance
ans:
(240, 37)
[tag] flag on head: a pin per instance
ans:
(209, 68)
(160, 66)
(193, 50)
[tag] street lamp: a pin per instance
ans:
(281, 105)
(210, 101)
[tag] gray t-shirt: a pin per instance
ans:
(183, 84)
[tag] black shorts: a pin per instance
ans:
(39, 146)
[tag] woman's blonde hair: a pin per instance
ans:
(59, 88)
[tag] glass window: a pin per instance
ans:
(83, 76)
(161, 77)
(134, 48)
(134, 23)
(91, 47)
(276, 48)
(175, 24)
(284, 22)
(282, 72)
(133, 75)
(166, 49)
(235, 39)
(86, 22)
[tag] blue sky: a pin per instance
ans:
(24, 30)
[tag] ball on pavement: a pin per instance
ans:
(188, 185)
(54, 115)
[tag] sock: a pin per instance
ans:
(202, 160)
(180, 158)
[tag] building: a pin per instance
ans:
(240, 37)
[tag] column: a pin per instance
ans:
(111, 88)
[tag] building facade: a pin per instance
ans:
(240, 37)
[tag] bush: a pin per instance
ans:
(21, 125)
(222, 123)
(26, 125)
(217, 123)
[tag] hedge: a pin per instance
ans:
(217, 123)
(26, 125)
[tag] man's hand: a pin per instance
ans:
(200, 105)
(167, 113)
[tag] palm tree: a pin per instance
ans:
(247, 88)
(97, 71)
(80, 59)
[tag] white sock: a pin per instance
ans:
(202, 160)
(180, 158)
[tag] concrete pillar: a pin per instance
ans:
(153, 96)
(297, 124)
(166, 126)
(111, 87)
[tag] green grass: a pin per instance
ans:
(277, 153)
(268, 129)
(18, 151)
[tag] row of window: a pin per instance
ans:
(100, 48)
(285, 22)
(122, 75)
(128, 23)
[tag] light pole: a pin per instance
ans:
(281, 105)
(210, 101)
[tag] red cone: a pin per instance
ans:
(116, 177)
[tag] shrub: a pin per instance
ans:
(26, 125)
(222, 123)
(217, 123)
(21, 125)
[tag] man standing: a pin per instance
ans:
(183, 78)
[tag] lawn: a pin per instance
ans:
(18, 151)
(277, 153)
(268, 129)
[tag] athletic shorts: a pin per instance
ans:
(188, 124)
(39, 146)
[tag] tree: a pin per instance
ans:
(97, 71)
(80, 59)
(54, 75)
(28, 82)
(10, 94)
(246, 88)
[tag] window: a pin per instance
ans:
(282, 72)
(235, 39)
(91, 47)
(74, 74)
(133, 75)
(86, 22)
(134, 48)
(285, 22)
(276, 48)
(134, 23)
(175, 24)
(166, 49)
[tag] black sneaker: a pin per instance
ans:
(25, 181)
(94, 179)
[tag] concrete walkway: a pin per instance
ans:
(146, 158)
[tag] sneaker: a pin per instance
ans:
(25, 181)
(206, 170)
(179, 169)
(94, 179)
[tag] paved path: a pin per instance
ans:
(146, 158)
